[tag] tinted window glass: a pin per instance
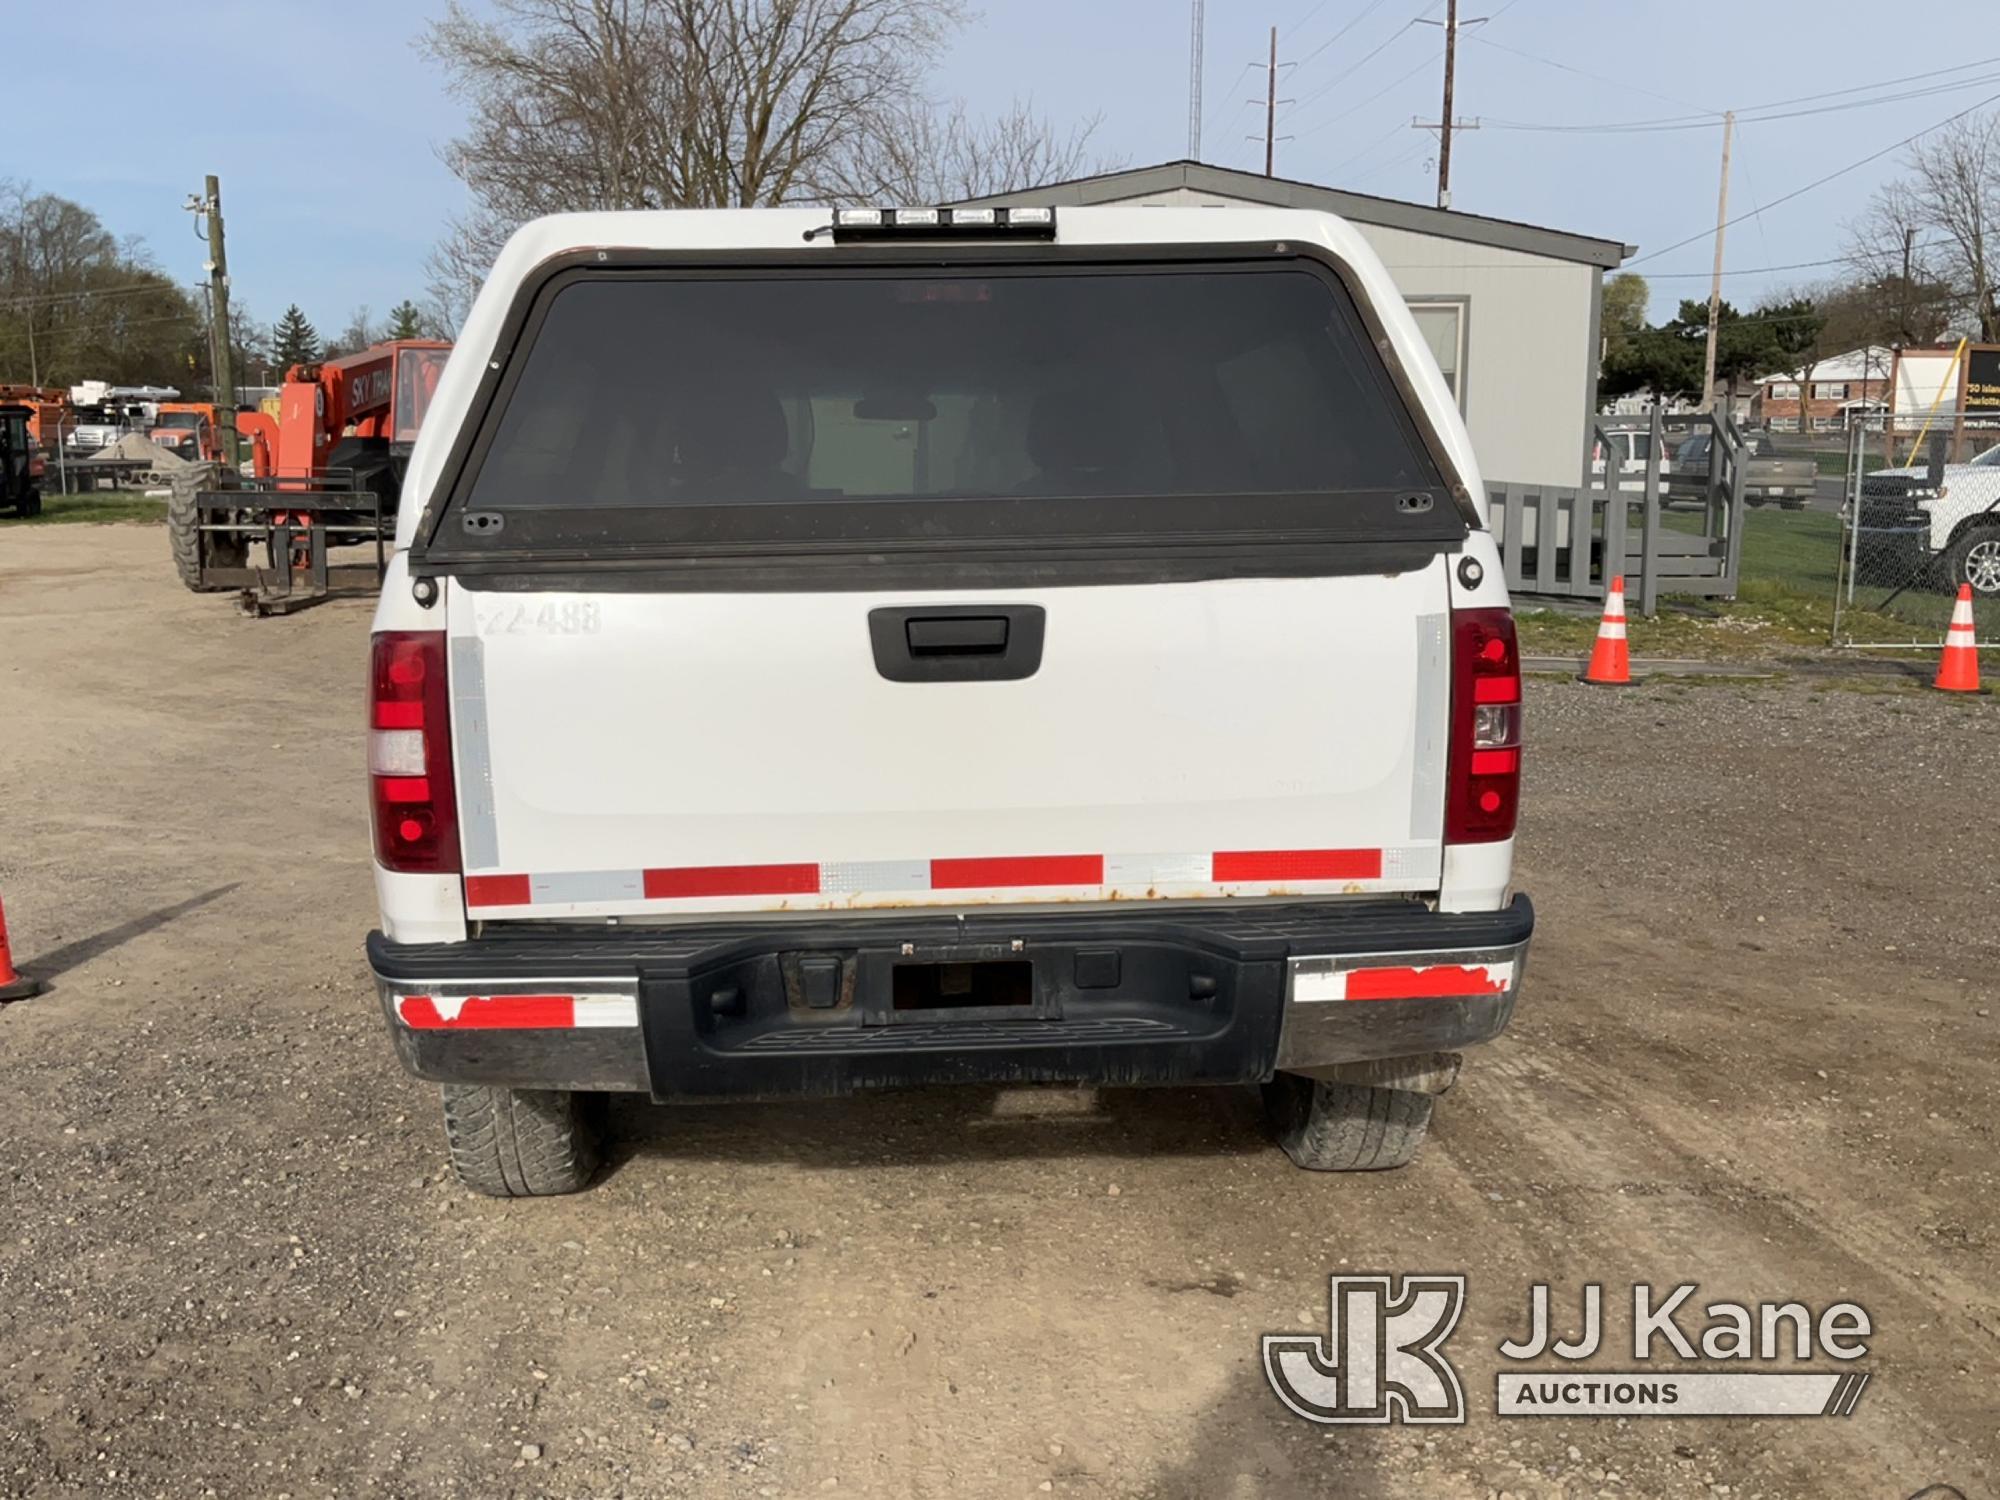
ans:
(791, 389)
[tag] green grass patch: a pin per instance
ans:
(1784, 601)
(100, 505)
(1791, 569)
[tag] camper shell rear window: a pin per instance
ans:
(882, 405)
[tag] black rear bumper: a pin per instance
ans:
(828, 1004)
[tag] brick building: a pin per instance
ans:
(1842, 387)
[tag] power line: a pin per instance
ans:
(1408, 25)
(1287, 31)
(1622, 85)
(1234, 84)
(1393, 83)
(1819, 182)
(1756, 115)
(1367, 11)
(1880, 83)
(1565, 268)
(1324, 89)
(1408, 156)
(1393, 132)
(131, 290)
(1940, 299)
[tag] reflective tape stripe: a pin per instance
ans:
(497, 890)
(1296, 864)
(605, 1010)
(1368, 978)
(1017, 870)
(852, 877)
(515, 1012)
(1234, 871)
(1144, 871)
(731, 880)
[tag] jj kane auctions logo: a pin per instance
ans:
(1382, 1359)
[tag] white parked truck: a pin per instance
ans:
(826, 652)
(1924, 527)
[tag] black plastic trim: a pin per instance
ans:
(725, 1010)
(957, 642)
(883, 571)
(1247, 929)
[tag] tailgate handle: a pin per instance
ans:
(957, 642)
(964, 635)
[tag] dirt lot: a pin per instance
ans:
(1759, 1049)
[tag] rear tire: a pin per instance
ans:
(519, 1143)
(1325, 1126)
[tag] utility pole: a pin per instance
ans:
(223, 359)
(1196, 27)
(1270, 101)
(1715, 282)
(1903, 291)
(1446, 124)
(1271, 107)
(1896, 350)
(1444, 120)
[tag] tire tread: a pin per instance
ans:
(1326, 1126)
(518, 1143)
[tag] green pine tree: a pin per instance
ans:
(294, 341)
(406, 320)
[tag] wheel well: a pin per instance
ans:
(1985, 520)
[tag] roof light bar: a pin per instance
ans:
(854, 225)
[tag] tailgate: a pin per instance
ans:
(878, 579)
(628, 753)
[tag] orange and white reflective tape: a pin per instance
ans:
(538, 1012)
(1395, 976)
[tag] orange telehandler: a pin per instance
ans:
(326, 471)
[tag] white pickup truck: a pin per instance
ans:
(900, 647)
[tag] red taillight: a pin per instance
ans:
(409, 754)
(1483, 795)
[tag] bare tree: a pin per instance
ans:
(1945, 213)
(647, 104)
(363, 328)
(76, 303)
(944, 155)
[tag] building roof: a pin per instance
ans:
(1359, 208)
(1871, 363)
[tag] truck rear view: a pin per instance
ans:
(910, 648)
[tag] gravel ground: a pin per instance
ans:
(1757, 1050)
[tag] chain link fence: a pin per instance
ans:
(1920, 518)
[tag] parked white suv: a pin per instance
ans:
(926, 646)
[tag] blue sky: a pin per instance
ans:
(327, 123)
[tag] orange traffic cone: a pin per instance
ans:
(1610, 661)
(1958, 668)
(12, 985)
